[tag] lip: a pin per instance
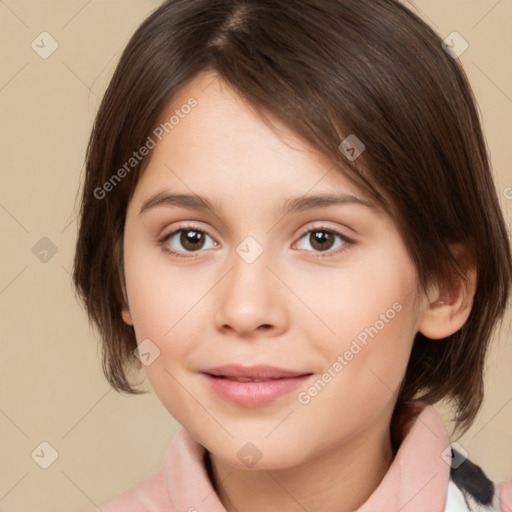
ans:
(253, 372)
(250, 393)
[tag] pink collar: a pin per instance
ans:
(416, 481)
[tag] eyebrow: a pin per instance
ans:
(294, 204)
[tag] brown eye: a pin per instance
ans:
(187, 239)
(322, 240)
(191, 240)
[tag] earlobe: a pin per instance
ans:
(127, 317)
(449, 310)
(125, 311)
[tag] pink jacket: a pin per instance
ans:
(421, 478)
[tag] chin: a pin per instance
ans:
(257, 456)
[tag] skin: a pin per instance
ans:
(289, 308)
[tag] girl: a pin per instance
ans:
(289, 221)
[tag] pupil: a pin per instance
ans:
(190, 239)
(322, 240)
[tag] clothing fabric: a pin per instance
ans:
(421, 478)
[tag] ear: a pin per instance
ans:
(127, 317)
(448, 306)
(125, 310)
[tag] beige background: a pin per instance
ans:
(52, 388)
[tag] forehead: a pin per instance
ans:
(222, 146)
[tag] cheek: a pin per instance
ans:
(162, 306)
(369, 299)
(374, 320)
(161, 295)
(365, 367)
(164, 312)
(161, 300)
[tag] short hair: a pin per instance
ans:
(370, 68)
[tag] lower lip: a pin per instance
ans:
(255, 394)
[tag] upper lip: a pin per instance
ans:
(253, 372)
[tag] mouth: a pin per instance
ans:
(253, 386)
(258, 373)
(246, 379)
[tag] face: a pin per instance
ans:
(327, 292)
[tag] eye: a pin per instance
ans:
(323, 239)
(193, 239)
(190, 237)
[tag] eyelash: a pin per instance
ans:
(191, 227)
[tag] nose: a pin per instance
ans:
(251, 299)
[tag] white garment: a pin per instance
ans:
(455, 501)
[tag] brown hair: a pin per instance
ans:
(366, 67)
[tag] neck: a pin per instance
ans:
(339, 480)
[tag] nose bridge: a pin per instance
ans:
(249, 298)
(249, 275)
